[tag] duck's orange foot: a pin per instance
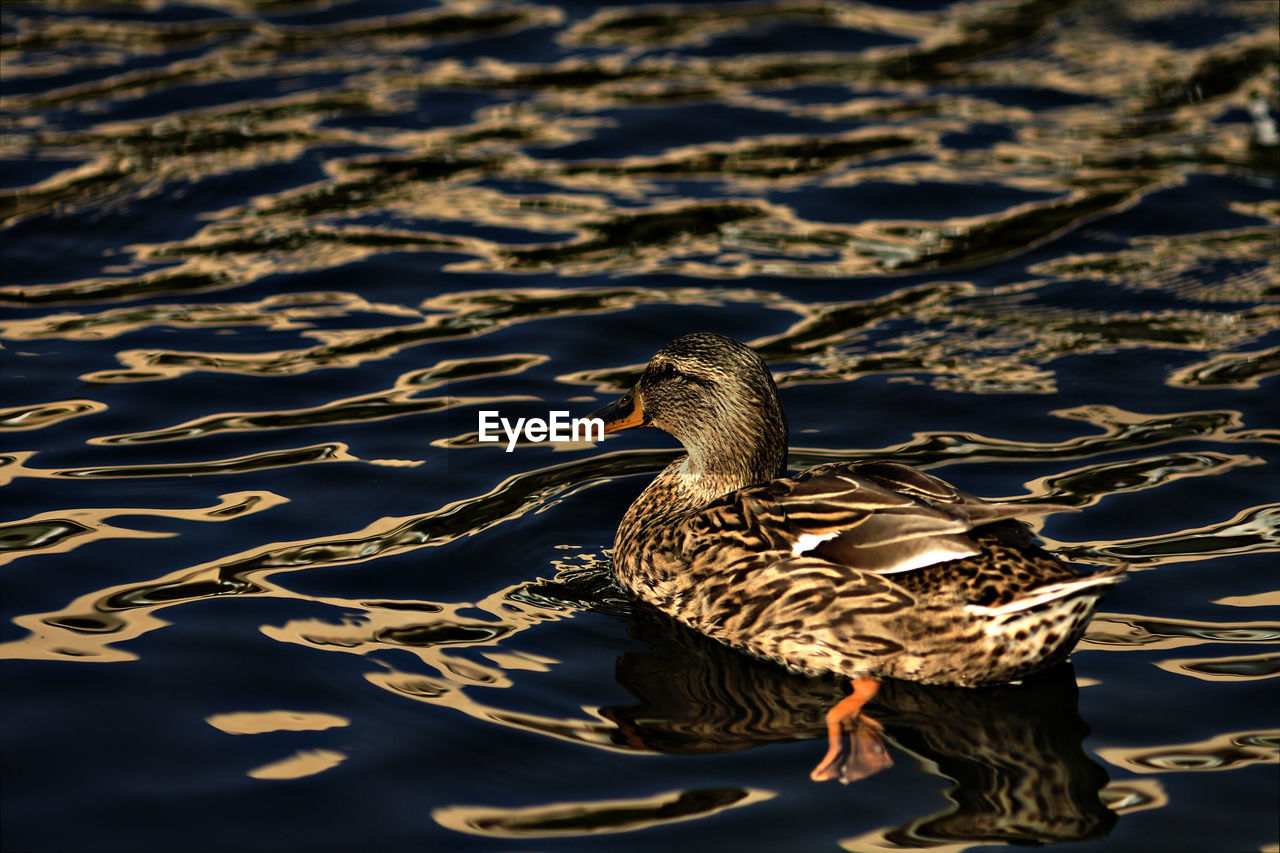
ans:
(859, 755)
(862, 752)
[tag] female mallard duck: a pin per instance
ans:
(866, 569)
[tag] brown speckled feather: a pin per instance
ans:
(864, 569)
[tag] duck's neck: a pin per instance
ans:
(716, 465)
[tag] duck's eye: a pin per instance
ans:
(667, 375)
(663, 372)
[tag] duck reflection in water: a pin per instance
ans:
(1013, 752)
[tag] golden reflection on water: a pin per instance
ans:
(1235, 266)
(1252, 531)
(1113, 631)
(443, 637)
(1228, 668)
(13, 466)
(1121, 631)
(671, 26)
(968, 341)
(446, 638)
(304, 762)
(596, 817)
(492, 195)
(127, 611)
(1223, 752)
(59, 531)
(1262, 599)
(1077, 156)
(1239, 370)
(16, 418)
(1125, 796)
(397, 401)
(281, 312)
(259, 722)
(439, 634)
(95, 622)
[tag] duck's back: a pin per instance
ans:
(864, 569)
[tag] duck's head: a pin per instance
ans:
(718, 398)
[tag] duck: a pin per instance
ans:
(863, 569)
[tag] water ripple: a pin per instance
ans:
(299, 245)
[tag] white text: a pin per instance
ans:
(557, 427)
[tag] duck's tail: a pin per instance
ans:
(1052, 596)
(1046, 622)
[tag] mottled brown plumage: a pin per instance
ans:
(865, 569)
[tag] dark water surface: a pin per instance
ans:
(265, 261)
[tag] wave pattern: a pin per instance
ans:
(264, 263)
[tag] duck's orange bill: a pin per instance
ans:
(623, 413)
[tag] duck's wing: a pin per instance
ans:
(804, 612)
(878, 517)
(911, 482)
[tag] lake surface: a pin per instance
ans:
(264, 264)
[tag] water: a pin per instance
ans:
(265, 262)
